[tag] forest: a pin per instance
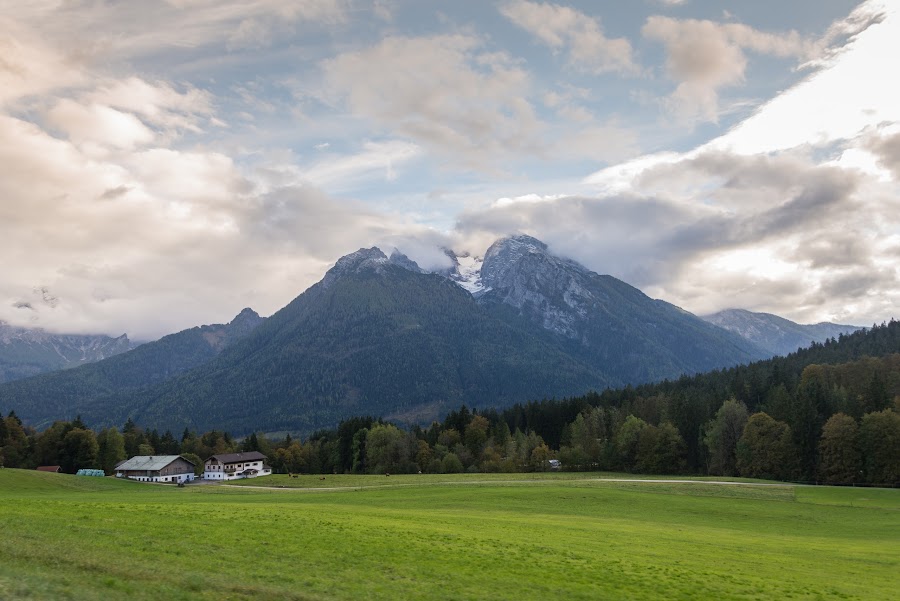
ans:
(829, 413)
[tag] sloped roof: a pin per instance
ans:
(48, 468)
(239, 457)
(149, 462)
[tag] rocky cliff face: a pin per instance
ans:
(556, 293)
(613, 325)
(27, 352)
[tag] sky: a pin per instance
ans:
(166, 164)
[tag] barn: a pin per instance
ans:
(156, 468)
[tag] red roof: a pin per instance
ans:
(49, 468)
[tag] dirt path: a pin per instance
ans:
(529, 481)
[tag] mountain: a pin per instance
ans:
(600, 319)
(375, 336)
(777, 335)
(380, 336)
(61, 394)
(26, 352)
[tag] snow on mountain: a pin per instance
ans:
(30, 351)
(465, 272)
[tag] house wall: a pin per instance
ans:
(155, 476)
(213, 470)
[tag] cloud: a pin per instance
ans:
(887, 149)
(703, 57)
(157, 103)
(471, 106)
(444, 92)
(564, 28)
(98, 124)
(30, 66)
(775, 233)
(141, 240)
(128, 30)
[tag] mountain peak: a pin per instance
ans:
(247, 318)
(504, 255)
(399, 259)
(519, 243)
(369, 259)
(355, 262)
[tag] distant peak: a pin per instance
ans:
(520, 242)
(401, 260)
(504, 254)
(364, 259)
(246, 315)
(356, 259)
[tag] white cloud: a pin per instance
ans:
(471, 106)
(444, 92)
(30, 66)
(157, 103)
(780, 234)
(127, 29)
(379, 159)
(703, 57)
(141, 240)
(848, 93)
(564, 28)
(98, 124)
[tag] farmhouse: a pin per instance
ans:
(156, 468)
(231, 466)
(54, 469)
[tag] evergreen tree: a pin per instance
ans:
(879, 436)
(840, 461)
(110, 449)
(765, 449)
(721, 437)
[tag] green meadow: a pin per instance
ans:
(506, 536)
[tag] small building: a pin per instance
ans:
(55, 469)
(156, 468)
(232, 466)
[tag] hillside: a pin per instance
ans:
(776, 335)
(51, 396)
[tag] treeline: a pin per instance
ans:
(72, 445)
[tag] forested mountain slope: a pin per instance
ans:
(45, 398)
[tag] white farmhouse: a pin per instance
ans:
(232, 466)
(156, 468)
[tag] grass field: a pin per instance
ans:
(560, 536)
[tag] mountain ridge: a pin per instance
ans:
(775, 334)
(26, 352)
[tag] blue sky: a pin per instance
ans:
(167, 163)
